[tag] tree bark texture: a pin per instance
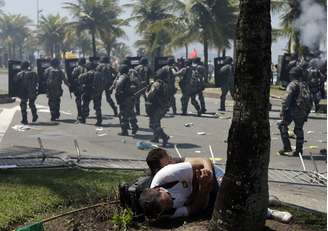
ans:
(242, 200)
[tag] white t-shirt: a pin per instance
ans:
(181, 191)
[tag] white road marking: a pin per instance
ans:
(6, 116)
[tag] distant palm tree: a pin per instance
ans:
(14, 28)
(96, 17)
(52, 33)
(120, 50)
(147, 13)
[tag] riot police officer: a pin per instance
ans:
(316, 82)
(227, 75)
(55, 77)
(27, 82)
(144, 73)
(157, 103)
(109, 75)
(201, 71)
(126, 87)
(189, 85)
(295, 108)
(169, 71)
(76, 86)
(93, 86)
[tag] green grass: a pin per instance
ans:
(30, 195)
(309, 219)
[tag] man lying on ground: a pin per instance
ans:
(186, 188)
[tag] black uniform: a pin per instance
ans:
(28, 82)
(201, 76)
(126, 87)
(157, 104)
(109, 74)
(295, 108)
(189, 85)
(168, 72)
(144, 73)
(316, 81)
(55, 77)
(227, 75)
(77, 88)
(93, 87)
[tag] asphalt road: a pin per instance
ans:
(104, 141)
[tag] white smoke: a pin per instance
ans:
(312, 25)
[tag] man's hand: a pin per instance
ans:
(204, 178)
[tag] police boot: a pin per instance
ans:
(99, 121)
(199, 113)
(82, 120)
(135, 130)
(165, 140)
(35, 117)
(124, 132)
(24, 120)
(53, 117)
(115, 112)
(299, 149)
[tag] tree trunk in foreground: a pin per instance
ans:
(242, 201)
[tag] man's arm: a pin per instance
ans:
(205, 168)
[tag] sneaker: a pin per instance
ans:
(283, 217)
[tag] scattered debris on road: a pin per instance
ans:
(201, 133)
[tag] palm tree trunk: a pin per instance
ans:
(187, 50)
(206, 57)
(9, 51)
(94, 48)
(242, 200)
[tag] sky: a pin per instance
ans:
(29, 8)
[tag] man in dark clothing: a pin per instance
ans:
(55, 77)
(189, 86)
(144, 73)
(227, 75)
(201, 75)
(170, 79)
(27, 82)
(295, 108)
(157, 104)
(93, 86)
(77, 88)
(109, 74)
(316, 81)
(125, 90)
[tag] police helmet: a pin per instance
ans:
(25, 65)
(295, 73)
(55, 62)
(124, 69)
(105, 59)
(144, 61)
(82, 61)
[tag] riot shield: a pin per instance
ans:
(134, 61)
(42, 65)
(218, 63)
(283, 69)
(70, 64)
(161, 61)
(14, 67)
